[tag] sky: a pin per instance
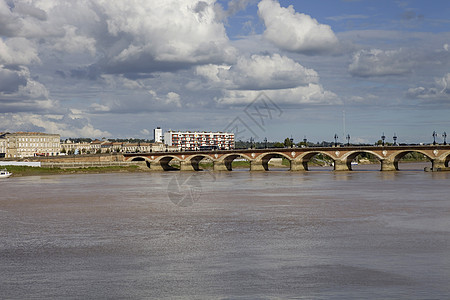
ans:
(261, 69)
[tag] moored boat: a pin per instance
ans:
(4, 173)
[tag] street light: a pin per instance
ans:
(292, 142)
(335, 139)
(251, 142)
(434, 137)
(383, 137)
(348, 139)
(305, 141)
(395, 139)
(445, 136)
(265, 143)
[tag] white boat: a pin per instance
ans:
(4, 173)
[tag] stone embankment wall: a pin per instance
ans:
(83, 161)
(81, 164)
(78, 158)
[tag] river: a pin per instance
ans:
(236, 235)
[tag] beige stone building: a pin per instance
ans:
(70, 147)
(3, 144)
(28, 144)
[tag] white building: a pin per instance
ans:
(187, 140)
(157, 135)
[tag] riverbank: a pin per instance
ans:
(18, 171)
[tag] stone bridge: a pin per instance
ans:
(298, 158)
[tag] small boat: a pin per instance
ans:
(4, 173)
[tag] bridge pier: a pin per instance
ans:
(156, 166)
(341, 165)
(187, 166)
(297, 165)
(221, 166)
(437, 164)
(387, 165)
(257, 166)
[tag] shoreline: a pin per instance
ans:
(19, 171)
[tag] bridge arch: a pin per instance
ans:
(305, 158)
(141, 158)
(350, 157)
(228, 159)
(164, 162)
(195, 160)
(399, 155)
(265, 158)
(447, 159)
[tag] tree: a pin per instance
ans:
(287, 143)
(278, 145)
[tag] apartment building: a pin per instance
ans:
(157, 135)
(188, 141)
(28, 144)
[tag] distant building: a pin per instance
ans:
(157, 135)
(70, 147)
(3, 143)
(187, 140)
(28, 144)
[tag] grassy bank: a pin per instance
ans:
(30, 171)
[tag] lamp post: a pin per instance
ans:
(335, 139)
(265, 143)
(292, 142)
(434, 137)
(395, 139)
(251, 142)
(305, 141)
(348, 139)
(445, 137)
(383, 137)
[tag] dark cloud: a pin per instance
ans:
(136, 76)
(410, 15)
(10, 81)
(91, 73)
(32, 11)
(60, 74)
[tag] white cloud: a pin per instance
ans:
(18, 51)
(278, 76)
(145, 132)
(153, 36)
(440, 90)
(376, 62)
(260, 72)
(148, 101)
(73, 42)
(66, 126)
(312, 94)
(293, 31)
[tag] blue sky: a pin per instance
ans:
(269, 68)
